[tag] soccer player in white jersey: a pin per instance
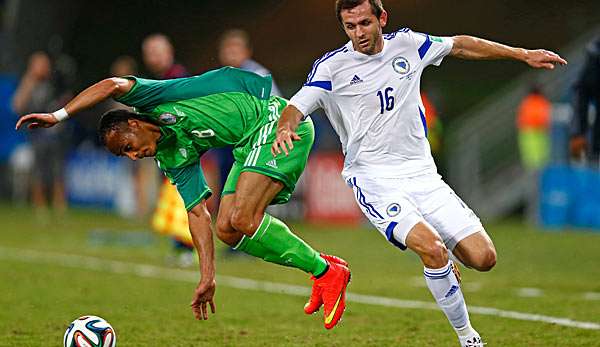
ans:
(369, 89)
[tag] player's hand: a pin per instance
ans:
(203, 296)
(543, 59)
(284, 141)
(37, 120)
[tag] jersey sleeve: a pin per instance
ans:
(146, 94)
(190, 183)
(432, 49)
(313, 93)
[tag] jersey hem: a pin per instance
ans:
(273, 174)
(203, 196)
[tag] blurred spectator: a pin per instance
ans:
(533, 122)
(38, 92)
(159, 57)
(124, 65)
(235, 50)
(587, 92)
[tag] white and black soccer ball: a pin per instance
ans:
(90, 331)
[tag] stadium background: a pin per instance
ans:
(547, 264)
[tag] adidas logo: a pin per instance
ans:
(451, 292)
(272, 163)
(355, 80)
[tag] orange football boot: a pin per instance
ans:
(316, 301)
(332, 286)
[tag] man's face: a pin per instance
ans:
(234, 52)
(363, 28)
(131, 140)
(157, 55)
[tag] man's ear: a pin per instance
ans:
(383, 18)
(133, 123)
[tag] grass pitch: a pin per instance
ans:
(553, 274)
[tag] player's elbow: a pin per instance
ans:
(110, 86)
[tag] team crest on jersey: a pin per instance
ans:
(183, 153)
(393, 209)
(167, 118)
(401, 65)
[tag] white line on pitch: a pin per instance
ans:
(151, 271)
(529, 292)
(591, 296)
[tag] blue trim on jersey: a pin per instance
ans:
(424, 121)
(318, 62)
(390, 36)
(362, 200)
(437, 276)
(389, 234)
(425, 46)
(320, 84)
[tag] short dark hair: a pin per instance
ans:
(376, 7)
(114, 120)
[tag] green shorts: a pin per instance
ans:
(256, 156)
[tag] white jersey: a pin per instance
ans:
(373, 102)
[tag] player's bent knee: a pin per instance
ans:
(487, 260)
(435, 255)
(228, 236)
(243, 222)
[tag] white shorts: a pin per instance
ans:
(395, 205)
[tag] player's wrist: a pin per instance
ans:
(60, 115)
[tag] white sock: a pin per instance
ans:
(446, 291)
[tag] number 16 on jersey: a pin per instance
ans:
(386, 99)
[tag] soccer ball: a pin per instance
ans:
(90, 331)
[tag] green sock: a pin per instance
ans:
(255, 249)
(285, 247)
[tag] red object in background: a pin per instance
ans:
(327, 197)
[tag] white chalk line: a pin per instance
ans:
(151, 271)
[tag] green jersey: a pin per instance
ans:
(225, 107)
(219, 108)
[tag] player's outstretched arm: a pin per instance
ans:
(201, 229)
(107, 88)
(469, 47)
(286, 130)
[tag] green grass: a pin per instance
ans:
(38, 300)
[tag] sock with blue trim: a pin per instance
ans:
(446, 291)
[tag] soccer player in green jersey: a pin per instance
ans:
(177, 121)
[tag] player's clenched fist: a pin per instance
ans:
(284, 141)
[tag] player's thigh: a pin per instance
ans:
(387, 206)
(254, 192)
(448, 214)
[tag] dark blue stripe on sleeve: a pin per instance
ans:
(425, 47)
(320, 84)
